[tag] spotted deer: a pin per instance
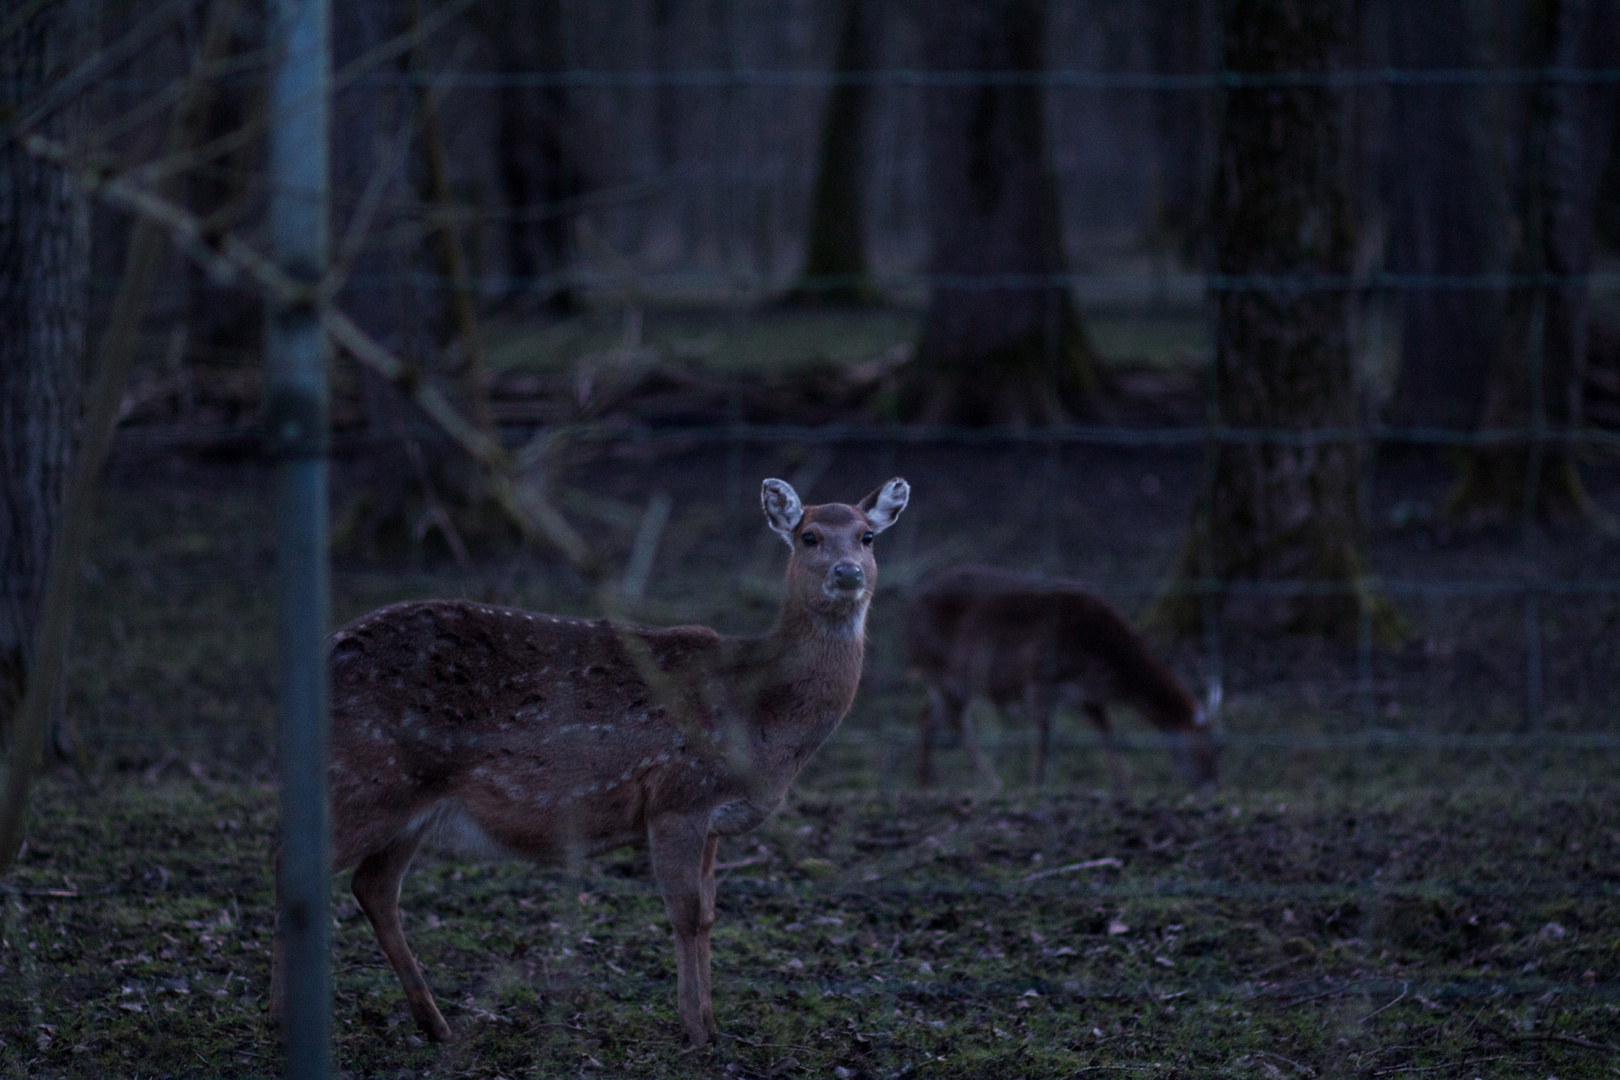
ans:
(551, 738)
(977, 631)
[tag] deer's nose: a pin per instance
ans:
(848, 576)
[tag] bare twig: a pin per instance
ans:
(229, 258)
(20, 18)
(1572, 1040)
(455, 261)
(170, 95)
(365, 210)
(357, 69)
(1090, 864)
(740, 863)
(1332, 991)
(639, 569)
(96, 65)
(1381, 1008)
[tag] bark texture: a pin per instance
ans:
(1449, 214)
(835, 269)
(1012, 351)
(44, 276)
(1538, 371)
(1278, 510)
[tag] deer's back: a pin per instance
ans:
(994, 632)
(538, 726)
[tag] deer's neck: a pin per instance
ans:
(808, 669)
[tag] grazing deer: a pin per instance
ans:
(975, 630)
(549, 737)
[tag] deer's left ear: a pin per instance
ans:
(884, 505)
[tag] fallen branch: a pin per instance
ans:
(1573, 1040)
(1090, 864)
(1381, 1008)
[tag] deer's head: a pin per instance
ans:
(832, 572)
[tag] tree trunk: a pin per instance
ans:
(1281, 511)
(1449, 215)
(1537, 376)
(835, 270)
(537, 167)
(44, 278)
(995, 352)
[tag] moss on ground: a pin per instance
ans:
(1236, 936)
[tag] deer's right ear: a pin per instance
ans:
(782, 508)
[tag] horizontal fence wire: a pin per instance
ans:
(677, 437)
(923, 78)
(675, 280)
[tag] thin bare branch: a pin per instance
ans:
(358, 69)
(230, 258)
(155, 104)
(94, 67)
(20, 18)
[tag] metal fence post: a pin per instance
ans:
(296, 423)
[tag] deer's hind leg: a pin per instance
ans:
(376, 886)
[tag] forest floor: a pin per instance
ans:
(1412, 864)
(1438, 933)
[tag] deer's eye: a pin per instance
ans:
(810, 539)
(866, 538)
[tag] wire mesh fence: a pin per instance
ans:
(1412, 836)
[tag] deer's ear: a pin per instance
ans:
(782, 509)
(884, 505)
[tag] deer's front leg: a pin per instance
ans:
(683, 862)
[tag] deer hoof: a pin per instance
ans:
(434, 1027)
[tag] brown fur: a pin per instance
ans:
(1009, 637)
(540, 735)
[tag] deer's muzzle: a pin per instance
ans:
(847, 577)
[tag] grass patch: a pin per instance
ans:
(1235, 936)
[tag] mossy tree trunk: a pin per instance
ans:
(1279, 511)
(1012, 351)
(44, 282)
(1537, 373)
(835, 270)
(1449, 214)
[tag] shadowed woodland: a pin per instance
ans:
(1288, 328)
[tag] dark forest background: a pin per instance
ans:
(1273, 215)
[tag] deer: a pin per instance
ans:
(1010, 637)
(554, 738)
